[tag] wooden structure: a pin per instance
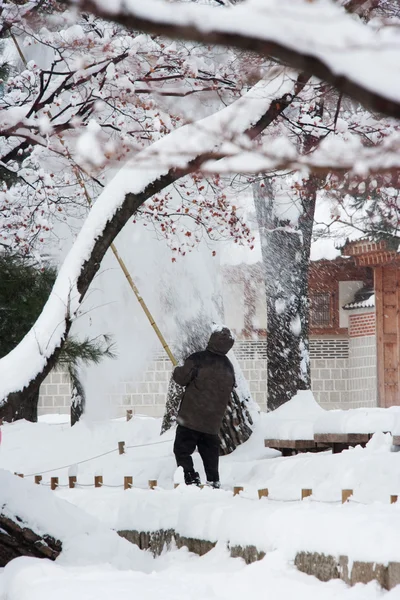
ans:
(322, 442)
(384, 258)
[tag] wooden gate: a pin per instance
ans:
(387, 300)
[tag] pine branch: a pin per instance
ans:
(88, 351)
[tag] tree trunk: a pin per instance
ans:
(24, 403)
(18, 540)
(285, 255)
(78, 398)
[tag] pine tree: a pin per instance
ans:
(24, 289)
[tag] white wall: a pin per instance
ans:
(347, 289)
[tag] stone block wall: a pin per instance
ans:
(147, 395)
(329, 371)
(55, 392)
(329, 382)
(343, 375)
(362, 372)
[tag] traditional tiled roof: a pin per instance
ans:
(364, 298)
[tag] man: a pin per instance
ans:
(208, 378)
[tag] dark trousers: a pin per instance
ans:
(207, 444)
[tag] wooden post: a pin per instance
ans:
(263, 493)
(305, 493)
(128, 482)
(237, 489)
(98, 480)
(346, 495)
(152, 483)
(121, 447)
(38, 478)
(53, 483)
(393, 499)
(129, 414)
(72, 481)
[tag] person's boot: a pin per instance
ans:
(214, 484)
(192, 478)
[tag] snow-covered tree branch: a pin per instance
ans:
(182, 151)
(319, 38)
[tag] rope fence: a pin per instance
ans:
(121, 450)
(306, 493)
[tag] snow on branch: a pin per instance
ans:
(334, 155)
(182, 151)
(318, 37)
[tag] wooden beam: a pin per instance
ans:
(378, 285)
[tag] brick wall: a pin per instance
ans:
(362, 324)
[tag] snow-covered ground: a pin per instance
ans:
(97, 563)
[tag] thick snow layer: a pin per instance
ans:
(178, 575)
(177, 149)
(294, 420)
(85, 539)
(97, 563)
(216, 515)
(359, 420)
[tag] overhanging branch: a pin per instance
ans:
(354, 62)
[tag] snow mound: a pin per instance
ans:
(295, 419)
(85, 540)
(359, 420)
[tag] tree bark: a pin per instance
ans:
(18, 540)
(23, 404)
(285, 256)
(78, 398)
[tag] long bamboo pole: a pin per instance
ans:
(144, 306)
(113, 248)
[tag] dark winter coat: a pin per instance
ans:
(209, 379)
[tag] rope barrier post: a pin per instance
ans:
(98, 481)
(72, 481)
(346, 495)
(53, 483)
(393, 499)
(38, 478)
(121, 447)
(263, 493)
(129, 414)
(305, 493)
(237, 489)
(128, 482)
(152, 483)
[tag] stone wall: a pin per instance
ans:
(329, 357)
(362, 384)
(55, 392)
(343, 374)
